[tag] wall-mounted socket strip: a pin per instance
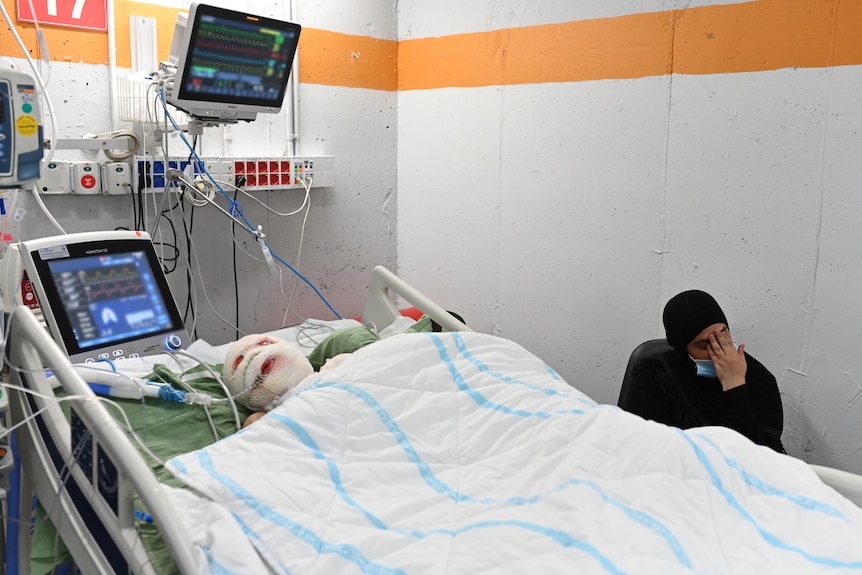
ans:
(55, 179)
(275, 173)
(86, 178)
(150, 173)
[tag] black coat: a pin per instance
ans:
(663, 386)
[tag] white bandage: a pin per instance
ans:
(259, 370)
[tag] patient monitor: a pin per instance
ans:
(230, 65)
(103, 295)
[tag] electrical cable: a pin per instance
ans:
(220, 381)
(235, 271)
(191, 288)
(305, 201)
(38, 197)
(237, 209)
(289, 303)
(302, 331)
(125, 154)
(206, 295)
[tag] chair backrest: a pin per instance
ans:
(648, 351)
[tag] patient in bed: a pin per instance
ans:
(261, 371)
(702, 378)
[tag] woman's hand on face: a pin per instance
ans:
(730, 365)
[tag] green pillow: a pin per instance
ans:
(342, 341)
(352, 338)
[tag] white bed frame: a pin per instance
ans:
(102, 538)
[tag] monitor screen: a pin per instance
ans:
(232, 65)
(104, 295)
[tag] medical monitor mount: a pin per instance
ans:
(104, 295)
(230, 65)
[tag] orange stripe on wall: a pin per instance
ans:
(623, 47)
(748, 37)
(64, 44)
(768, 35)
(337, 59)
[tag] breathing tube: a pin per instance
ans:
(121, 386)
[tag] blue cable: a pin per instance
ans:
(236, 207)
(302, 277)
(110, 364)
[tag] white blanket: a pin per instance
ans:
(465, 454)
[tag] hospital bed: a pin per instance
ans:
(433, 452)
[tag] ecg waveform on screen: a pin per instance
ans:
(252, 53)
(232, 38)
(213, 67)
(112, 283)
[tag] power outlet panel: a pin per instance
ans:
(258, 174)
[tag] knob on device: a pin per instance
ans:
(173, 342)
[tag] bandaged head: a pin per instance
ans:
(687, 314)
(260, 370)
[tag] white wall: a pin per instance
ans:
(565, 215)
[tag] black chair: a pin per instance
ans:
(647, 353)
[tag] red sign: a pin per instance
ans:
(88, 14)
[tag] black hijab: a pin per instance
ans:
(687, 314)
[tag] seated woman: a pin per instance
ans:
(702, 378)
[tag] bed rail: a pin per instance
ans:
(86, 488)
(847, 484)
(381, 311)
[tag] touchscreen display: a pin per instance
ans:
(110, 297)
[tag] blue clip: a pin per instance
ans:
(145, 517)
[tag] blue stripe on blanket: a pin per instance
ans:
(348, 552)
(462, 349)
(215, 568)
(478, 397)
(757, 483)
(767, 536)
(440, 487)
